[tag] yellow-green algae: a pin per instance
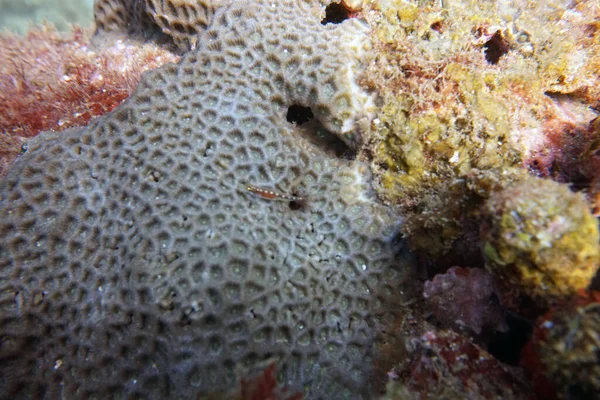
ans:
(540, 238)
(447, 112)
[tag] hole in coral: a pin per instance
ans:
(495, 48)
(297, 205)
(299, 115)
(335, 13)
(316, 133)
(318, 136)
(507, 346)
(436, 26)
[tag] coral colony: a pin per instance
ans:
(290, 199)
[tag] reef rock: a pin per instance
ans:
(446, 365)
(540, 239)
(467, 298)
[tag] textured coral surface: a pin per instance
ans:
(338, 97)
(135, 262)
(54, 82)
(156, 253)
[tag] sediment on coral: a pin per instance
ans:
(134, 261)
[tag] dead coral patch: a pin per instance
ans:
(463, 91)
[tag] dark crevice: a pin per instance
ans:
(316, 134)
(335, 13)
(495, 48)
(299, 115)
(437, 26)
(507, 346)
(297, 205)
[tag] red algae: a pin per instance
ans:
(265, 388)
(447, 365)
(467, 298)
(50, 81)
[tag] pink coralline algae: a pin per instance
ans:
(466, 298)
(446, 365)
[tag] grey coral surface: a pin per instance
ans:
(135, 263)
(181, 20)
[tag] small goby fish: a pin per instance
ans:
(269, 194)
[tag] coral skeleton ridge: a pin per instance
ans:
(133, 261)
(180, 20)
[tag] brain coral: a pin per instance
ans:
(135, 263)
(180, 20)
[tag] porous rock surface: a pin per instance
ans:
(134, 261)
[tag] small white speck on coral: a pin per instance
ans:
(454, 158)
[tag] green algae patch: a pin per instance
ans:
(540, 238)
